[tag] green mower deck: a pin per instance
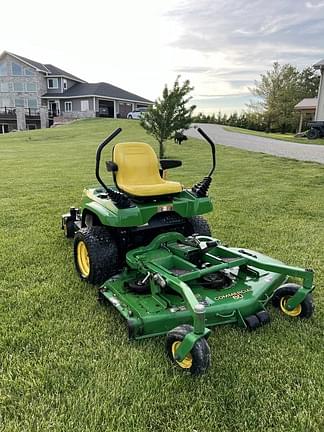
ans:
(173, 269)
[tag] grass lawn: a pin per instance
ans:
(284, 137)
(66, 363)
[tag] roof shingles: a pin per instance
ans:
(98, 89)
(49, 69)
(319, 64)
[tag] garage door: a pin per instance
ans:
(124, 109)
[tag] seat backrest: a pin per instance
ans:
(137, 164)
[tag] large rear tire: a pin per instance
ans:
(313, 133)
(198, 225)
(96, 254)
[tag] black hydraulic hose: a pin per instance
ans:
(212, 145)
(98, 155)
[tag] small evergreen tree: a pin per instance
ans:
(169, 114)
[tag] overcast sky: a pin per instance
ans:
(222, 46)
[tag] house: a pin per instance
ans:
(31, 91)
(312, 108)
(306, 108)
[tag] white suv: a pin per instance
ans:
(136, 114)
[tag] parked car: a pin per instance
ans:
(136, 114)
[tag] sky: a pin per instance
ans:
(221, 46)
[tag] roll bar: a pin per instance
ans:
(201, 189)
(98, 155)
(213, 149)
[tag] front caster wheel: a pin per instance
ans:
(281, 296)
(198, 360)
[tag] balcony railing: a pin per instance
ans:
(8, 112)
(32, 112)
(11, 112)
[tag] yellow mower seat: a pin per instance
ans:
(138, 171)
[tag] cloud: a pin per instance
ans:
(251, 34)
(206, 96)
(314, 6)
(225, 104)
(192, 69)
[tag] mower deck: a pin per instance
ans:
(147, 316)
(168, 300)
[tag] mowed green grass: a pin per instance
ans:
(66, 363)
(278, 136)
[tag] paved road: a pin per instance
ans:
(304, 152)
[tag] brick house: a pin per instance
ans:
(30, 91)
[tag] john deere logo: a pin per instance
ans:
(235, 295)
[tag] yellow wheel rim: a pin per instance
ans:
(83, 259)
(294, 312)
(186, 363)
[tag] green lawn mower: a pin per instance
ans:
(144, 243)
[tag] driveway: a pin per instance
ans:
(303, 152)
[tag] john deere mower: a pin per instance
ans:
(144, 243)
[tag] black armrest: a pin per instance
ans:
(169, 163)
(111, 166)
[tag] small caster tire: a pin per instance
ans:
(281, 296)
(252, 322)
(198, 360)
(263, 317)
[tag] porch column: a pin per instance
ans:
(43, 113)
(21, 118)
(319, 115)
(300, 122)
(115, 108)
(94, 106)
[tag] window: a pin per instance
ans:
(31, 87)
(5, 103)
(85, 105)
(16, 69)
(68, 106)
(32, 103)
(64, 84)
(29, 71)
(3, 69)
(52, 83)
(18, 87)
(19, 102)
(5, 87)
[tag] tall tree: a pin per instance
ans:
(279, 90)
(169, 114)
(309, 82)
